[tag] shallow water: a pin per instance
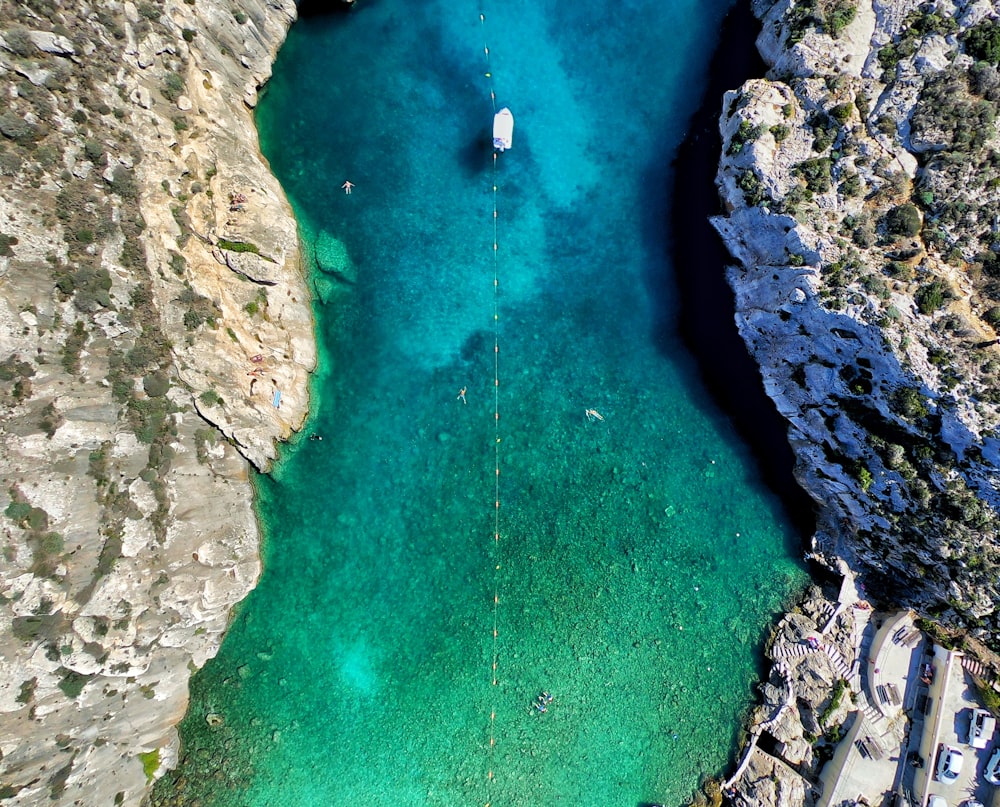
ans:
(639, 557)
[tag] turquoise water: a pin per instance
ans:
(639, 557)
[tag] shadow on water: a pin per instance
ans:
(477, 154)
(322, 8)
(698, 257)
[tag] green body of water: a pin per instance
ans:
(640, 558)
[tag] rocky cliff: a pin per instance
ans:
(860, 183)
(152, 304)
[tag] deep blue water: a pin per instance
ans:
(640, 557)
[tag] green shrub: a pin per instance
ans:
(240, 17)
(93, 151)
(910, 403)
(851, 184)
(150, 762)
(840, 16)
(149, 10)
(815, 173)
(900, 271)
(746, 133)
(903, 220)
(189, 34)
(754, 192)
(931, 297)
(780, 132)
(839, 688)
(842, 112)
(173, 86)
(992, 317)
(238, 246)
(156, 385)
(72, 347)
(982, 42)
(72, 683)
(824, 130)
(211, 398)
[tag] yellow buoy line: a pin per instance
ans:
(490, 778)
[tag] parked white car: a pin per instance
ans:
(992, 772)
(949, 765)
(936, 801)
(981, 728)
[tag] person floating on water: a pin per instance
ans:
(347, 186)
(461, 395)
(593, 414)
(542, 701)
(315, 437)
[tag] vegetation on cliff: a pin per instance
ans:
(884, 192)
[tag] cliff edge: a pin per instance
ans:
(861, 194)
(156, 342)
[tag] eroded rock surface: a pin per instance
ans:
(152, 303)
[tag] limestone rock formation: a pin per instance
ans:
(862, 212)
(152, 302)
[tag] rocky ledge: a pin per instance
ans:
(152, 305)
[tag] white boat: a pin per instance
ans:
(503, 129)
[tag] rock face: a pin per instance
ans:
(152, 303)
(861, 206)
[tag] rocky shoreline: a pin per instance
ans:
(153, 293)
(862, 216)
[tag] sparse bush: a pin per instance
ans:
(72, 683)
(931, 297)
(840, 16)
(123, 183)
(239, 246)
(173, 86)
(851, 184)
(815, 173)
(211, 398)
(149, 10)
(189, 34)
(72, 348)
(842, 112)
(780, 132)
(18, 39)
(746, 133)
(16, 128)
(51, 419)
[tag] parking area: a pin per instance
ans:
(915, 699)
(948, 725)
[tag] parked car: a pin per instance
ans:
(992, 772)
(936, 801)
(981, 728)
(949, 765)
